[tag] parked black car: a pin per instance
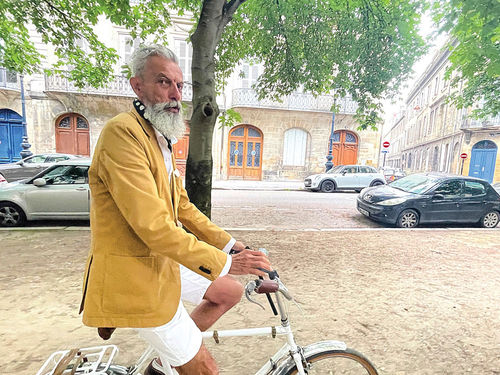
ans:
(31, 166)
(432, 198)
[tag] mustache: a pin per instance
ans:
(172, 104)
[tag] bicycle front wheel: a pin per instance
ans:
(337, 362)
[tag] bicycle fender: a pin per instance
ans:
(309, 350)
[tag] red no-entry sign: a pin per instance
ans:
(463, 155)
(386, 144)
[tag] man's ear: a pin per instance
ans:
(136, 84)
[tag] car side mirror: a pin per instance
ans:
(40, 182)
(438, 197)
(343, 173)
(21, 163)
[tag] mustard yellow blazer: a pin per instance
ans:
(132, 272)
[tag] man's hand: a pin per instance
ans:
(238, 246)
(248, 262)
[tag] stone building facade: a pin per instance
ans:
(294, 134)
(431, 134)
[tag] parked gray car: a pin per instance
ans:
(59, 192)
(30, 166)
(345, 177)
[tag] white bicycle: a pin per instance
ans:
(324, 357)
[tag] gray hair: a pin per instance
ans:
(141, 55)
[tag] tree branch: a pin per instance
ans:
(229, 10)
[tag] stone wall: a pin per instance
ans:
(42, 111)
(273, 123)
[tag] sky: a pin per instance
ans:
(391, 108)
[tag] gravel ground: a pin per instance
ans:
(414, 302)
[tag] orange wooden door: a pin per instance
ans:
(344, 148)
(180, 150)
(245, 153)
(72, 135)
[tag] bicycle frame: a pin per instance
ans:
(288, 356)
(289, 351)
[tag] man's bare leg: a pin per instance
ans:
(202, 364)
(221, 295)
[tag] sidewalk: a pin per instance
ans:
(257, 185)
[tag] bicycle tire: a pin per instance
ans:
(337, 362)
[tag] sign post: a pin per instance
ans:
(385, 145)
(463, 156)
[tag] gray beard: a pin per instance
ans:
(167, 123)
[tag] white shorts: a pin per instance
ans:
(178, 341)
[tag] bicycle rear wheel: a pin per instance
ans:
(337, 362)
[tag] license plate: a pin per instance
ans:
(363, 211)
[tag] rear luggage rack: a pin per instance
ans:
(89, 361)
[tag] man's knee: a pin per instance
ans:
(202, 364)
(225, 291)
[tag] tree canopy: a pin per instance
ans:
(474, 26)
(362, 48)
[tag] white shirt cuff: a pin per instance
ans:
(227, 267)
(229, 245)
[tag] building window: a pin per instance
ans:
(249, 75)
(294, 151)
(127, 46)
(436, 85)
(185, 53)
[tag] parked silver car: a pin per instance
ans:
(345, 177)
(30, 166)
(59, 192)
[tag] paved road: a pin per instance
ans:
(281, 210)
(287, 210)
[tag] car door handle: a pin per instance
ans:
(81, 189)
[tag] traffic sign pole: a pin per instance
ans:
(463, 156)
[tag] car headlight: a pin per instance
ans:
(392, 202)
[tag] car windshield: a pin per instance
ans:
(416, 183)
(335, 169)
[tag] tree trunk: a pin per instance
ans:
(214, 16)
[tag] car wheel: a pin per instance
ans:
(327, 186)
(408, 219)
(377, 183)
(490, 219)
(11, 215)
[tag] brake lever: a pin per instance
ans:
(249, 288)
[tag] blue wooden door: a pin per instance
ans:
(483, 160)
(11, 136)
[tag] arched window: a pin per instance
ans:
(294, 152)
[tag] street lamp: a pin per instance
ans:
(329, 157)
(25, 144)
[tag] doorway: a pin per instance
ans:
(483, 160)
(344, 147)
(11, 136)
(245, 153)
(72, 135)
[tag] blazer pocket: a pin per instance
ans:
(130, 285)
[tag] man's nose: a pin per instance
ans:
(175, 93)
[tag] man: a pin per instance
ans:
(142, 262)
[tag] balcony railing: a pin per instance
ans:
(295, 101)
(469, 123)
(119, 86)
(9, 80)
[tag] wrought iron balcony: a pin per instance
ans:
(489, 122)
(295, 101)
(119, 86)
(9, 80)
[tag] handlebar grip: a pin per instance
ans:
(267, 286)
